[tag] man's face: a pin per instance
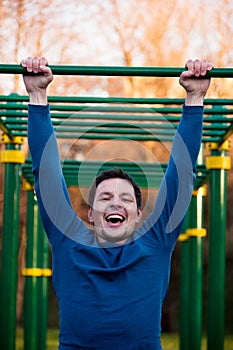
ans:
(114, 213)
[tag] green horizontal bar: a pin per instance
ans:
(146, 174)
(126, 117)
(116, 71)
(136, 100)
(110, 132)
(162, 110)
(117, 137)
(106, 137)
(87, 126)
(13, 123)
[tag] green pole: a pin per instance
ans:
(195, 273)
(36, 283)
(191, 271)
(31, 305)
(184, 287)
(218, 162)
(196, 233)
(43, 263)
(137, 100)
(116, 71)
(12, 157)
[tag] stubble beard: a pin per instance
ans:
(114, 239)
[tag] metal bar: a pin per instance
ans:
(217, 258)
(12, 116)
(196, 268)
(31, 307)
(127, 129)
(136, 100)
(5, 128)
(36, 288)
(43, 262)
(13, 123)
(118, 137)
(119, 109)
(195, 278)
(9, 266)
(184, 338)
(116, 71)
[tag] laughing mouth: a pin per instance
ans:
(115, 218)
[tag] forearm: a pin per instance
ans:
(38, 98)
(194, 100)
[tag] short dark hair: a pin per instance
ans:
(113, 174)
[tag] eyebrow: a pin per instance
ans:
(104, 193)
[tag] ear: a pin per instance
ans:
(139, 215)
(90, 215)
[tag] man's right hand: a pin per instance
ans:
(37, 82)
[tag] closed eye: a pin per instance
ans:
(105, 198)
(127, 200)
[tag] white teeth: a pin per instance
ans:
(115, 217)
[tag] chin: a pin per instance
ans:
(114, 238)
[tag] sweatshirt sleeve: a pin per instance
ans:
(57, 214)
(175, 192)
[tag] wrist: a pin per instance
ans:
(194, 100)
(38, 97)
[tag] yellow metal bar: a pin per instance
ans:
(197, 232)
(183, 237)
(12, 156)
(225, 146)
(16, 139)
(218, 162)
(192, 232)
(36, 272)
(27, 186)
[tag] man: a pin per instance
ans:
(111, 281)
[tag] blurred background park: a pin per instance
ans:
(119, 33)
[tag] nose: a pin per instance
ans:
(116, 203)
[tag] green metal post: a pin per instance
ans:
(36, 284)
(191, 272)
(196, 233)
(184, 287)
(43, 263)
(10, 241)
(195, 274)
(31, 305)
(217, 250)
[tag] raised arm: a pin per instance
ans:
(166, 220)
(57, 214)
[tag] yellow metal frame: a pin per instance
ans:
(36, 272)
(192, 232)
(12, 156)
(15, 140)
(196, 232)
(225, 146)
(27, 186)
(218, 162)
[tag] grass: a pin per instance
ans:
(169, 341)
